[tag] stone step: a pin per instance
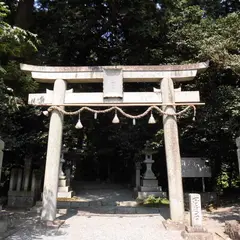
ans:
(151, 189)
(65, 194)
(62, 183)
(64, 189)
(143, 195)
(99, 203)
(127, 204)
(95, 211)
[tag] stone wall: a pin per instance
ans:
(24, 189)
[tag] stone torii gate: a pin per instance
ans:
(113, 78)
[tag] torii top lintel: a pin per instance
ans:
(147, 73)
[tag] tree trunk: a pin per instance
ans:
(24, 15)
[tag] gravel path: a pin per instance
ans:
(113, 222)
(115, 227)
(100, 222)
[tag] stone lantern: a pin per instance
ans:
(149, 181)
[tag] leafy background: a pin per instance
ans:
(126, 32)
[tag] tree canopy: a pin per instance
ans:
(126, 32)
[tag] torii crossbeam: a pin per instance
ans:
(113, 78)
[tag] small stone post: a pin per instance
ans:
(33, 184)
(138, 176)
(53, 154)
(38, 189)
(203, 184)
(238, 151)
(19, 180)
(172, 151)
(13, 178)
(195, 210)
(1, 157)
(68, 176)
(27, 172)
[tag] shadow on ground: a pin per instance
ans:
(95, 200)
(27, 225)
(227, 214)
(118, 211)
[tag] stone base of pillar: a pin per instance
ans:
(65, 194)
(62, 183)
(64, 191)
(150, 183)
(150, 188)
(197, 235)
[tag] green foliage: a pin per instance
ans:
(213, 39)
(153, 201)
(104, 32)
(14, 41)
(16, 44)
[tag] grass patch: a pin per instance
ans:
(152, 201)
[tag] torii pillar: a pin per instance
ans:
(53, 154)
(172, 151)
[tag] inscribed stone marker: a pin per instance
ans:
(195, 210)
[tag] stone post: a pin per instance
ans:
(172, 151)
(1, 157)
(13, 178)
(50, 188)
(138, 176)
(27, 172)
(68, 176)
(203, 184)
(33, 183)
(38, 185)
(195, 210)
(19, 180)
(196, 230)
(238, 151)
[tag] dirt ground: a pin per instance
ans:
(215, 220)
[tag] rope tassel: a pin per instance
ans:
(45, 113)
(79, 124)
(151, 119)
(115, 119)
